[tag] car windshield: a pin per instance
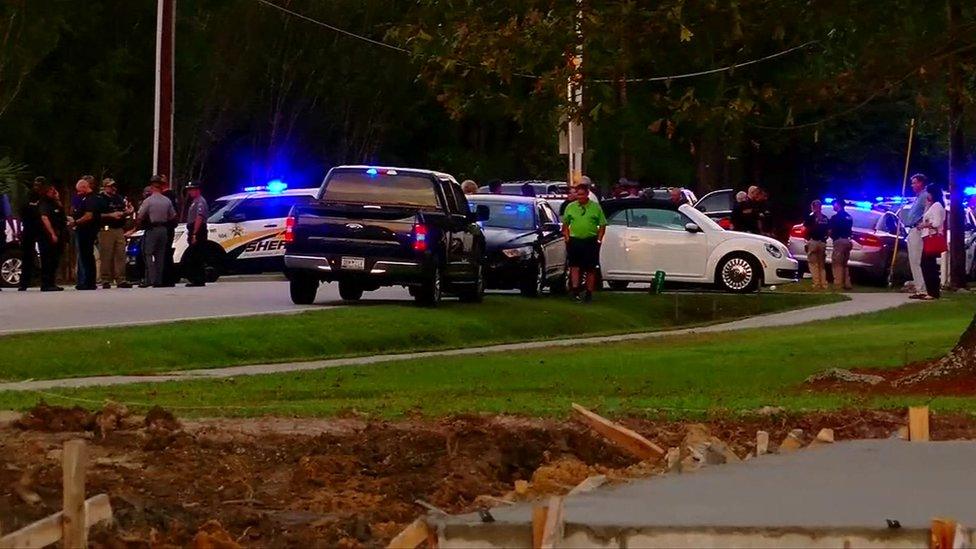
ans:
(507, 215)
(381, 186)
(219, 208)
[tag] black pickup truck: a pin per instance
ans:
(372, 226)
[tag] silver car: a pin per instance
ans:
(874, 236)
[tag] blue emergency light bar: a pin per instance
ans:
(969, 191)
(274, 186)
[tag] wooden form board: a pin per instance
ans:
(48, 530)
(918, 423)
(625, 438)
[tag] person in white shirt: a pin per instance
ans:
(932, 226)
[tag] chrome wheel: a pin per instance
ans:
(10, 271)
(737, 274)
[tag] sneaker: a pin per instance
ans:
(144, 285)
(106, 285)
(52, 289)
(123, 284)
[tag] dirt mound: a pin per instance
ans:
(56, 419)
(359, 485)
(893, 381)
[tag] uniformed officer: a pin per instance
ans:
(196, 233)
(30, 220)
(53, 233)
(156, 213)
(170, 274)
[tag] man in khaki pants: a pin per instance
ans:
(111, 235)
(841, 230)
(817, 226)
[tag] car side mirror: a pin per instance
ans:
(551, 228)
(692, 228)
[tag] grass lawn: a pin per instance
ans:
(687, 376)
(365, 330)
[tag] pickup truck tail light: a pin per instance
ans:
(289, 229)
(420, 237)
(798, 231)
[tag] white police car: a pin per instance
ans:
(245, 232)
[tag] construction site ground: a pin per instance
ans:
(341, 482)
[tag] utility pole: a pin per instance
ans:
(575, 121)
(957, 152)
(163, 115)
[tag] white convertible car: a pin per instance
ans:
(645, 236)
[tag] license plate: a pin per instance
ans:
(353, 263)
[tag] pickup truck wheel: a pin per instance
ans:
(475, 292)
(350, 291)
(430, 292)
(303, 289)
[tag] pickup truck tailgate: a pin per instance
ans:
(358, 231)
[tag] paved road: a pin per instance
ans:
(245, 296)
(859, 303)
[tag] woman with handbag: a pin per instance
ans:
(934, 241)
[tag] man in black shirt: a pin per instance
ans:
(53, 223)
(112, 209)
(745, 214)
(817, 226)
(30, 221)
(841, 229)
(86, 221)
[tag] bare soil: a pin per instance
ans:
(348, 482)
(951, 385)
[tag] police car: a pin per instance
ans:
(246, 232)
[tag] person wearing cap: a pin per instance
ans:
(583, 228)
(170, 274)
(841, 227)
(196, 234)
(156, 213)
(112, 210)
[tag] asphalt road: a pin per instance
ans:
(33, 311)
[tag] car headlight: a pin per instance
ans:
(516, 253)
(774, 251)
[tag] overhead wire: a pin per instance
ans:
(662, 78)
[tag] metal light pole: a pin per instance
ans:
(575, 121)
(163, 115)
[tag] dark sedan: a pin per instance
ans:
(523, 244)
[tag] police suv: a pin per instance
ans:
(246, 233)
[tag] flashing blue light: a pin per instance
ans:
(828, 200)
(879, 199)
(254, 189)
(372, 172)
(276, 186)
(863, 204)
(969, 191)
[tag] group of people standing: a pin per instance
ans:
(102, 219)
(925, 222)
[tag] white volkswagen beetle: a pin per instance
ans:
(646, 236)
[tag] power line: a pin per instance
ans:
(711, 71)
(535, 76)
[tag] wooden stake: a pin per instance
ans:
(762, 443)
(623, 437)
(539, 513)
(553, 531)
(74, 528)
(413, 535)
(918, 423)
(48, 530)
(943, 534)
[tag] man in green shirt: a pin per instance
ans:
(583, 227)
